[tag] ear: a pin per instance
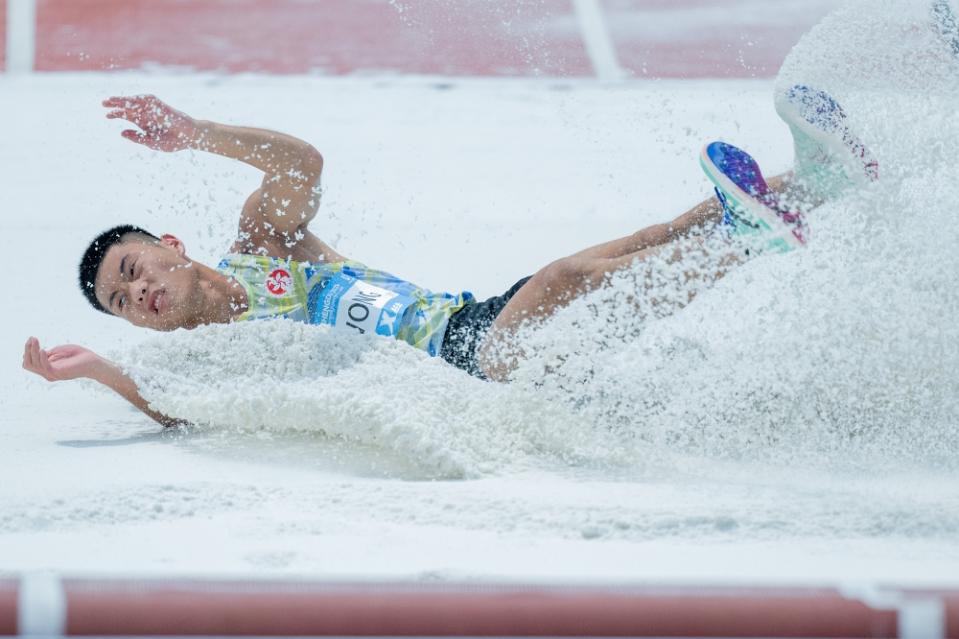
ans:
(173, 242)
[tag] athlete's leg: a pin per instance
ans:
(757, 219)
(829, 157)
(702, 216)
(556, 285)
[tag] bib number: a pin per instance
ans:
(349, 303)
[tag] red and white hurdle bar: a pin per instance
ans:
(46, 605)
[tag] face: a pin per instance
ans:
(151, 284)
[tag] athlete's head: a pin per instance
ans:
(144, 279)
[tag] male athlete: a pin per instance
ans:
(277, 267)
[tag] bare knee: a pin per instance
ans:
(493, 358)
(552, 287)
(569, 275)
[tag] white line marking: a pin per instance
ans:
(599, 45)
(21, 35)
(922, 619)
(42, 605)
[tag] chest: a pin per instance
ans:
(274, 289)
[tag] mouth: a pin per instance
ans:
(155, 301)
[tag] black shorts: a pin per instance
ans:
(467, 328)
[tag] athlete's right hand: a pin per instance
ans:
(161, 127)
(61, 362)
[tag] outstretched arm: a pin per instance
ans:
(276, 215)
(74, 362)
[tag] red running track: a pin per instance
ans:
(177, 607)
(3, 34)
(655, 38)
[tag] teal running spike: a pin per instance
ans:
(749, 207)
(830, 158)
(945, 19)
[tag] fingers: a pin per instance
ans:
(128, 101)
(127, 108)
(161, 128)
(116, 102)
(132, 108)
(136, 110)
(26, 354)
(35, 363)
(34, 360)
(134, 136)
(33, 345)
(47, 370)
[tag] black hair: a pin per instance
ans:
(93, 257)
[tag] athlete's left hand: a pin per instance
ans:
(60, 363)
(163, 128)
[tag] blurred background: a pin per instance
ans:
(610, 38)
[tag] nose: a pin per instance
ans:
(138, 291)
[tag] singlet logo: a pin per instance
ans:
(279, 281)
